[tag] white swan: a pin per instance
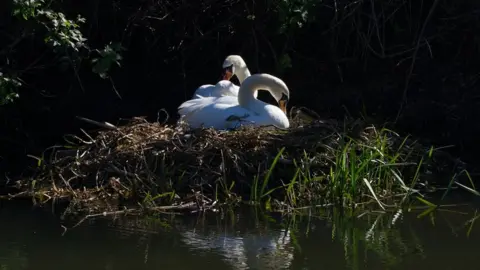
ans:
(232, 65)
(228, 112)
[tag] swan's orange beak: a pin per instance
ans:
(283, 105)
(227, 74)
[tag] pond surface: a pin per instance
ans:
(247, 239)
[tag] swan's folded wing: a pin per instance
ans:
(204, 91)
(191, 106)
(211, 112)
(225, 88)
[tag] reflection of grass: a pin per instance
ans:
(385, 241)
(375, 235)
(371, 234)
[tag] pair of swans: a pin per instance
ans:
(226, 106)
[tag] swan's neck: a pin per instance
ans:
(242, 74)
(247, 95)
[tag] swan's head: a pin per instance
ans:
(231, 65)
(280, 93)
(276, 86)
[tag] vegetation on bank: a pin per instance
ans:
(364, 57)
(170, 168)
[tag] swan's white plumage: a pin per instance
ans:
(222, 88)
(229, 112)
(216, 111)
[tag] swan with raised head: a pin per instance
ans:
(228, 112)
(232, 65)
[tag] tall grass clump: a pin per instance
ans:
(374, 167)
(370, 168)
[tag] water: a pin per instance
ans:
(242, 240)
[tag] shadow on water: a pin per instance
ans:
(245, 239)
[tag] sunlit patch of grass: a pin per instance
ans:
(357, 171)
(369, 169)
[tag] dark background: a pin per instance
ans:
(346, 58)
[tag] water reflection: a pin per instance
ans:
(243, 248)
(240, 240)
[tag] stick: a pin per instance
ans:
(104, 214)
(103, 125)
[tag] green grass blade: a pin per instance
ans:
(426, 202)
(468, 189)
(373, 192)
(270, 170)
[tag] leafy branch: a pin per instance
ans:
(63, 35)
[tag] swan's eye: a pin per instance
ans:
(284, 97)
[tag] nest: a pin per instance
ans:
(151, 160)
